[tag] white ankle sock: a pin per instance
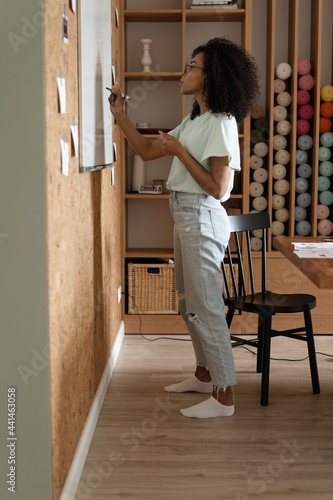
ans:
(191, 384)
(209, 408)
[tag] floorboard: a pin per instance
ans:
(144, 449)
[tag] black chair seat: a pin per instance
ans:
(238, 276)
(273, 303)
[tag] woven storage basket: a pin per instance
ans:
(152, 289)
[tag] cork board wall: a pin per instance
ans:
(84, 251)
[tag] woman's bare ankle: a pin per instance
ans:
(202, 373)
(225, 396)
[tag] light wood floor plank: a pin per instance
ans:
(144, 449)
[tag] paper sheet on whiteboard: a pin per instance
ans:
(96, 149)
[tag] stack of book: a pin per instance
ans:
(213, 4)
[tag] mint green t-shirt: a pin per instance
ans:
(205, 136)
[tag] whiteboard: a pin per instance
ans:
(95, 70)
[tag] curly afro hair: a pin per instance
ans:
(231, 83)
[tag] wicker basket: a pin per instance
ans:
(152, 289)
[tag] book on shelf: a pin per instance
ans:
(214, 4)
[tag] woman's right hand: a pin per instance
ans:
(116, 102)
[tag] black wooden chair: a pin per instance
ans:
(238, 276)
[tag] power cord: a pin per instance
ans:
(288, 359)
(140, 325)
(189, 340)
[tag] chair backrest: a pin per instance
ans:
(238, 261)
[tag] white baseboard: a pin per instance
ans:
(80, 456)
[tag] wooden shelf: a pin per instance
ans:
(215, 15)
(154, 75)
(153, 15)
(138, 196)
(154, 253)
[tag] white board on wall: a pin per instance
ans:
(95, 63)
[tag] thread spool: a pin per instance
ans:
(138, 175)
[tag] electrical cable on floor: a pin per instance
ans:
(140, 325)
(189, 340)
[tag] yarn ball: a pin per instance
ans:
(325, 125)
(301, 156)
(305, 111)
(279, 85)
(304, 170)
(278, 201)
(326, 168)
(279, 113)
(323, 183)
(281, 186)
(279, 171)
(303, 67)
(324, 153)
(256, 189)
(306, 82)
(256, 244)
(303, 228)
(283, 70)
(261, 123)
(256, 136)
(256, 162)
(279, 142)
(282, 156)
(326, 198)
(300, 214)
(304, 200)
(325, 227)
(303, 97)
(305, 142)
(260, 175)
(301, 185)
(283, 127)
(257, 233)
(277, 228)
(284, 99)
(326, 93)
(303, 127)
(327, 139)
(260, 149)
(256, 111)
(282, 214)
(326, 109)
(259, 203)
(322, 212)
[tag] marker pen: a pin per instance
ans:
(123, 96)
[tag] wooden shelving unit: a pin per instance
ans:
(182, 17)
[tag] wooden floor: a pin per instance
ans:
(143, 448)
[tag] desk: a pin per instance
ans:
(319, 271)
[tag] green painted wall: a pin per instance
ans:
(23, 253)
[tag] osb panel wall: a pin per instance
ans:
(84, 252)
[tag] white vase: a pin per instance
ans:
(138, 174)
(146, 59)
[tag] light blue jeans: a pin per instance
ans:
(201, 233)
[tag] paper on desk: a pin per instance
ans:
(315, 250)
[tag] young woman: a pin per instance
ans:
(224, 81)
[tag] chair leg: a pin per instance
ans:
(229, 316)
(260, 343)
(312, 352)
(267, 332)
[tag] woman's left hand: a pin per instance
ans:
(169, 144)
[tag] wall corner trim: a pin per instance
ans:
(75, 471)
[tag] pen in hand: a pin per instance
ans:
(123, 96)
